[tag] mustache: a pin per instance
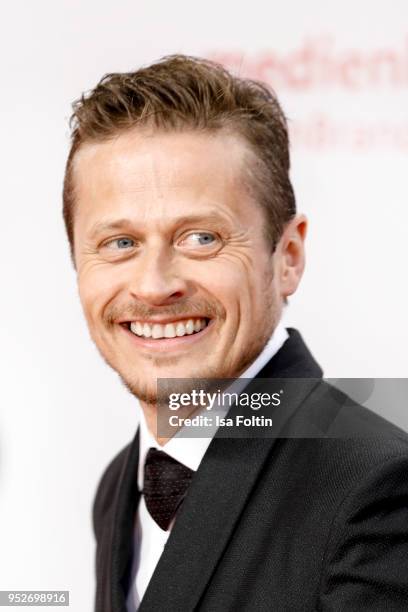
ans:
(140, 311)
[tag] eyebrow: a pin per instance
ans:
(103, 226)
(118, 224)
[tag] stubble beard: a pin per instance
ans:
(155, 396)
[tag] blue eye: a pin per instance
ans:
(125, 243)
(199, 239)
(206, 238)
(121, 243)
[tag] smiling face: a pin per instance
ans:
(175, 276)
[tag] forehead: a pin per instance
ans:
(159, 174)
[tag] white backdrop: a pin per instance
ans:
(341, 72)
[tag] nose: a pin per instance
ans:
(156, 280)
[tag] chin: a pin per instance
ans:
(147, 390)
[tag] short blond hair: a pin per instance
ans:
(183, 92)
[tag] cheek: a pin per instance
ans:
(97, 286)
(249, 291)
(231, 281)
(241, 274)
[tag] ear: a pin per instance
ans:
(291, 255)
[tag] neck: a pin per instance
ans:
(150, 414)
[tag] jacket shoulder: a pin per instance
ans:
(366, 557)
(337, 415)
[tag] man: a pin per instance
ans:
(185, 238)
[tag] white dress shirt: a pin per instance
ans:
(149, 538)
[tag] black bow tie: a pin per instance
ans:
(165, 486)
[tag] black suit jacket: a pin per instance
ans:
(298, 522)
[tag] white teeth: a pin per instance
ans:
(147, 330)
(169, 330)
(180, 329)
(189, 326)
(136, 328)
(158, 331)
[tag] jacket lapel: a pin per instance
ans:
(214, 502)
(218, 494)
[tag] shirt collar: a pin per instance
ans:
(190, 451)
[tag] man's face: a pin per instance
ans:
(175, 275)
